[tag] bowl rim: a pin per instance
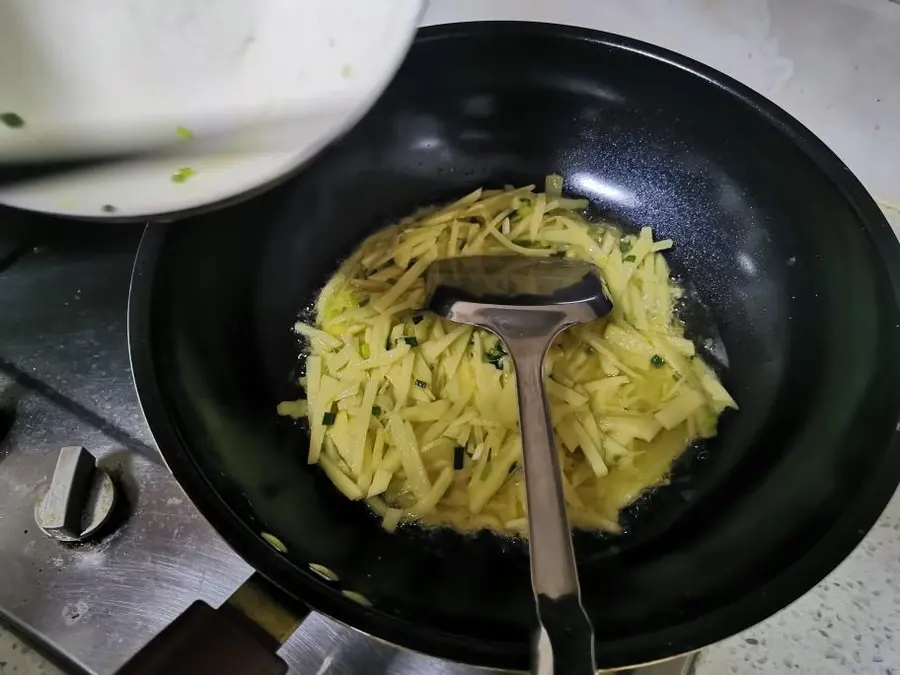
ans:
(259, 181)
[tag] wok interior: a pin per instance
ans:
(777, 253)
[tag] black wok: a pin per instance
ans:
(796, 264)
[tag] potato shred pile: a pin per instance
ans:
(418, 416)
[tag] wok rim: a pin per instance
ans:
(757, 604)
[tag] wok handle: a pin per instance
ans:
(566, 641)
(239, 638)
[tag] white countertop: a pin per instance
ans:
(835, 66)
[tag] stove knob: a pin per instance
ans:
(80, 499)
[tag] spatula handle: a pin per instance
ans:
(569, 634)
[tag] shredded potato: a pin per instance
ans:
(418, 415)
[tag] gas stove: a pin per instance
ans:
(65, 382)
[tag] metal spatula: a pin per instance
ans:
(527, 302)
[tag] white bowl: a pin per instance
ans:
(95, 74)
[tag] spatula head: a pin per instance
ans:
(516, 282)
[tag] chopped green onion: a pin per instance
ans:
(629, 258)
(459, 457)
(358, 598)
(624, 246)
(182, 174)
(274, 542)
(657, 361)
(323, 572)
(328, 418)
(376, 410)
(109, 208)
(421, 384)
(12, 120)
(411, 341)
(184, 133)
(364, 351)
(495, 356)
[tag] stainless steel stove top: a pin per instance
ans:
(65, 380)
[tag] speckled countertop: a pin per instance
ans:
(847, 625)
(835, 65)
(18, 658)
